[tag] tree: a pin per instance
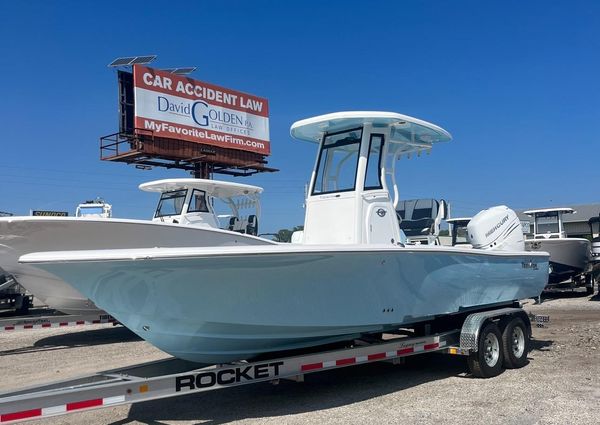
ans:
(285, 235)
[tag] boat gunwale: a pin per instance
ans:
(159, 254)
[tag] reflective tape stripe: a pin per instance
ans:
(370, 357)
(377, 356)
(54, 410)
(84, 404)
(46, 325)
(63, 408)
(343, 362)
(113, 400)
(311, 366)
(7, 417)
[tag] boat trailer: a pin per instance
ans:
(48, 320)
(173, 377)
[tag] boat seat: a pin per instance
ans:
(238, 225)
(233, 223)
(416, 215)
(252, 226)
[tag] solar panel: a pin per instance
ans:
(180, 71)
(132, 60)
(121, 61)
(184, 71)
(143, 59)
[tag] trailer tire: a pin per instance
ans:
(487, 362)
(515, 343)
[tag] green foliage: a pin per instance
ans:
(285, 235)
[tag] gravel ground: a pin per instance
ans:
(560, 385)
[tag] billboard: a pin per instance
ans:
(177, 107)
(43, 213)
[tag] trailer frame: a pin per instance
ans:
(172, 377)
(45, 321)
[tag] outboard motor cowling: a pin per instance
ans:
(496, 228)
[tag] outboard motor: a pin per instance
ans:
(496, 228)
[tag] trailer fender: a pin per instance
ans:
(469, 333)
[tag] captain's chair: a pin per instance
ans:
(420, 218)
(252, 226)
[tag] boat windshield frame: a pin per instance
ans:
(93, 210)
(191, 207)
(549, 214)
(170, 195)
(321, 173)
(375, 156)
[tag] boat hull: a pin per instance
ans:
(569, 257)
(219, 307)
(22, 235)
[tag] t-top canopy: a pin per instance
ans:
(215, 188)
(405, 129)
(550, 210)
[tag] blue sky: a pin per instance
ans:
(516, 83)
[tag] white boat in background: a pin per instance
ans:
(569, 257)
(96, 208)
(349, 275)
(185, 216)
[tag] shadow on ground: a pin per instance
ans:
(320, 391)
(540, 345)
(77, 339)
(32, 312)
(564, 293)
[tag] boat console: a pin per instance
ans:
(193, 202)
(97, 208)
(353, 194)
(548, 222)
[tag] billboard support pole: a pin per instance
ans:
(201, 170)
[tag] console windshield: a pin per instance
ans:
(171, 203)
(338, 162)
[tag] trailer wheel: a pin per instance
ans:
(515, 342)
(487, 361)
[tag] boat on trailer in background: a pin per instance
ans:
(570, 258)
(185, 216)
(350, 275)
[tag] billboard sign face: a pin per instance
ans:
(177, 107)
(43, 213)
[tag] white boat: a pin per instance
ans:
(569, 257)
(348, 275)
(185, 216)
(95, 208)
